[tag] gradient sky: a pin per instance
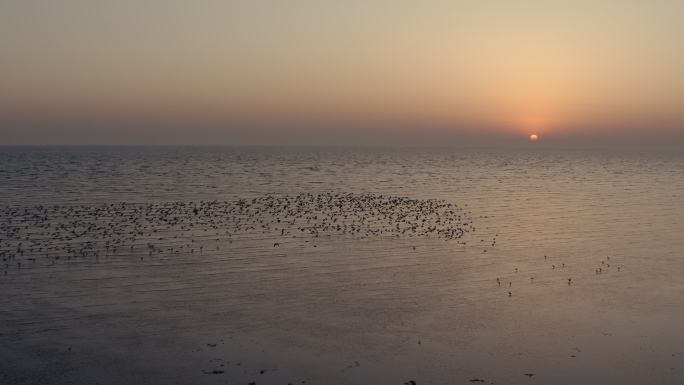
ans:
(306, 72)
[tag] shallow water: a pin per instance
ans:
(376, 305)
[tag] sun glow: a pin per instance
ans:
(534, 137)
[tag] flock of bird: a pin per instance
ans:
(604, 267)
(51, 234)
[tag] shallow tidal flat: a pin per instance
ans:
(519, 278)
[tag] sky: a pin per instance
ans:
(342, 72)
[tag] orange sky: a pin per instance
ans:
(135, 71)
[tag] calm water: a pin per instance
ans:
(260, 285)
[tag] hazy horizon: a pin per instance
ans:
(597, 74)
(378, 139)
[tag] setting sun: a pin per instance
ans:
(534, 137)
